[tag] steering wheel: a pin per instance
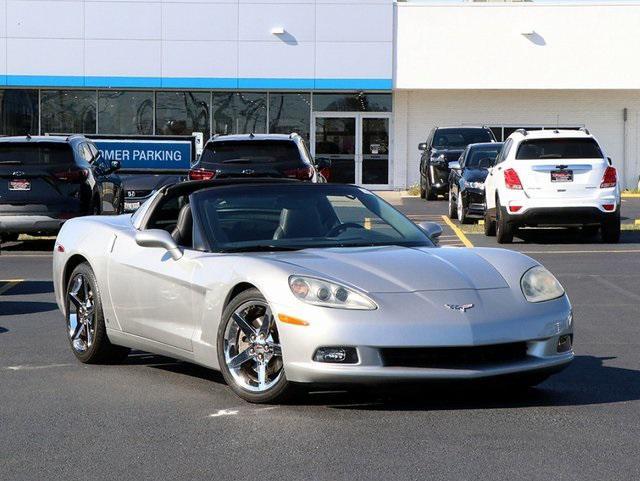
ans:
(342, 227)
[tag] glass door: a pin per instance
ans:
(335, 139)
(375, 151)
(357, 145)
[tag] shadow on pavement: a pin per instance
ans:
(15, 308)
(587, 381)
(3, 330)
(30, 287)
(140, 358)
(30, 245)
(568, 236)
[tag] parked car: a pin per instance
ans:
(47, 180)
(256, 155)
(444, 145)
(466, 181)
(276, 282)
(140, 186)
(552, 178)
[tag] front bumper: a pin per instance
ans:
(474, 201)
(372, 333)
(30, 224)
(560, 216)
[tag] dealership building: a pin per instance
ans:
(363, 81)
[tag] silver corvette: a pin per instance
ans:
(278, 284)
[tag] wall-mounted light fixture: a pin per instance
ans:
(277, 30)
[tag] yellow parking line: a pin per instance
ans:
(7, 284)
(458, 232)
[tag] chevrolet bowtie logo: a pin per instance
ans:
(459, 308)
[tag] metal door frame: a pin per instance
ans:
(358, 156)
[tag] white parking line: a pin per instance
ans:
(26, 367)
(224, 412)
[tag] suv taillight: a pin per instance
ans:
(302, 173)
(511, 179)
(201, 174)
(610, 178)
(72, 176)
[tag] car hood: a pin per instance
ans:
(475, 175)
(397, 269)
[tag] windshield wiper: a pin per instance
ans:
(261, 248)
(238, 160)
(12, 162)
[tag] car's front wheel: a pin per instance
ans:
(85, 320)
(452, 211)
(249, 350)
(504, 230)
(610, 229)
(462, 212)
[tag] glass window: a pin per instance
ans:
(35, 153)
(559, 149)
(459, 138)
(482, 157)
(125, 113)
(355, 102)
(18, 112)
(266, 151)
(290, 112)
(69, 111)
(295, 217)
(182, 113)
(239, 113)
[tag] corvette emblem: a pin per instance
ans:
(459, 308)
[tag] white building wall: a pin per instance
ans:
(327, 44)
(601, 111)
(482, 46)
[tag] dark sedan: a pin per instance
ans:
(466, 180)
(47, 180)
(444, 145)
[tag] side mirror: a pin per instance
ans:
(432, 229)
(323, 163)
(422, 146)
(455, 165)
(159, 238)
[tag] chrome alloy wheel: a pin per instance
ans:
(252, 347)
(81, 323)
(459, 206)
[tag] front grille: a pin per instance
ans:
(453, 357)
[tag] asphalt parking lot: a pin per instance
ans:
(155, 418)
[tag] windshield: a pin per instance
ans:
(257, 151)
(460, 138)
(586, 148)
(276, 217)
(35, 154)
(482, 157)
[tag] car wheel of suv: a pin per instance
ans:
(504, 230)
(610, 229)
(462, 213)
(429, 194)
(489, 225)
(85, 320)
(589, 231)
(423, 192)
(249, 350)
(452, 212)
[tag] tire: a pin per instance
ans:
(504, 230)
(85, 320)
(242, 318)
(9, 237)
(589, 231)
(610, 229)
(423, 192)
(429, 194)
(452, 212)
(462, 212)
(489, 225)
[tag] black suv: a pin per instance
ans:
(47, 180)
(255, 155)
(444, 145)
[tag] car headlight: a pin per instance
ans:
(475, 185)
(538, 285)
(328, 294)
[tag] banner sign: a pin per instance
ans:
(147, 154)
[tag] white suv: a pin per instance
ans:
(552, 177)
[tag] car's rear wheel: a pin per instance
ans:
(85, 320)
(589, 231)
(504, 230)
(610, 229)
(249, 350)
(452, 211)
(489, 225)
(462, 212)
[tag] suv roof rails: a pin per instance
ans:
(522, 131)
(585, 130)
